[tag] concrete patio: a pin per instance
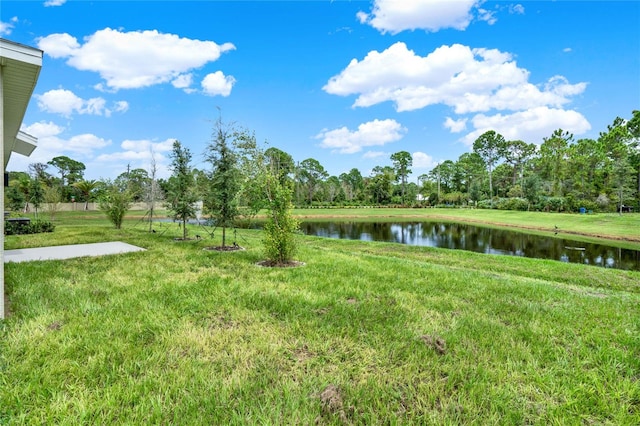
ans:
(68, 251)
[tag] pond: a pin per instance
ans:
(478, 239)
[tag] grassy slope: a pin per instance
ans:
(180, 335)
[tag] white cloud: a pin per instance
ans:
(567, 50)
(7, 27)
(516, 9)
(52, 143)
(121, 106)
(127, 60)
(85, 143)
(183, 81)
(455, 126)
(49, 3)
(468, 80)
(394, 16)
(487, 16)
(66, 103)
(531, 126)
(138, 154)
(422, 160)
(59, 45)
(218, 84)
(372, 133)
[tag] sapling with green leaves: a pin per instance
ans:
(221, 199)
(181, 194)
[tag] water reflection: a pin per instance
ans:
(479, 239)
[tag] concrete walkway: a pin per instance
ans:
(68, 252)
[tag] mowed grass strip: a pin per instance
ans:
(364, 333)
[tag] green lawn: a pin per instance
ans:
(364, 333)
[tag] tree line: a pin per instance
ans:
(559, 174)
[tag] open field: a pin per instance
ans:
(364, 333)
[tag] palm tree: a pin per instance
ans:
(86, 186)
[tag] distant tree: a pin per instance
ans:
(469, 169)
(531, 189)
(181, 196)
(333, 190)
(135, 182)
(39, 171)
(585, 161)
(86, 187)
(402, 160)
(516, 154)
(489, 147)
(618, 142)
(553, 158)
(280, 162)
(353, 184)
(379, 185)
(70, 170)
(311, 174)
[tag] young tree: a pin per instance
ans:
(115, 203)
(489, 147)
(402, 160)
(153, 192)
(181, 196)
(36, 193)
(266, 186)
(224, 180)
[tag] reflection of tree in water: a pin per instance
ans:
(478, 239)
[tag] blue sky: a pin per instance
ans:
(345, 82)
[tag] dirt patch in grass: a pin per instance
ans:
(436, 343)
(56, 325)
(234, 247)
(276, 264)
(303, 353)
(321, 311)
(331, 403)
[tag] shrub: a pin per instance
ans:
(115, 204)
(513, 203)
(35, 227)
(280, 227)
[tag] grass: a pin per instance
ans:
(364, 333)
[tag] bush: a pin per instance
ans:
(552, 204)
(513, 203)
(35, 227)
(485, 204)
(115, 204)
